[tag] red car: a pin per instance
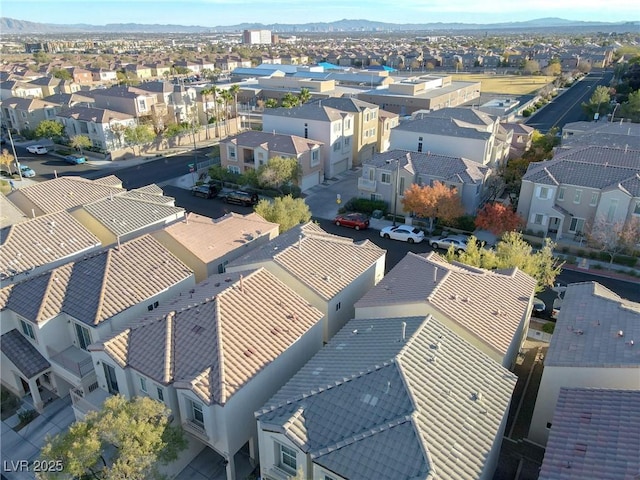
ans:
(353, 220)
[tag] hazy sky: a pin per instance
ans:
(229, 12)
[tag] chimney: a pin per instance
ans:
(299, 242)
(404, 330)
(241, 284)
(55, 173)
(435, 275)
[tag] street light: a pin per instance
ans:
(15, 156)
(395, 192)
(614, 111)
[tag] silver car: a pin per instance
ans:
(459, 244)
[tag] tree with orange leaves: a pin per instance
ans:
(498, 218)
(437, 201)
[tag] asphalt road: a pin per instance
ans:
(47, 166)
(566, 108)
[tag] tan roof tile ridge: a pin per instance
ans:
(168, 349)
(52, 277)
(220, 363)
(103, 287)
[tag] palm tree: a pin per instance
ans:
(234, 91)
(305, 95)
(215, 91)
(205, 92)
(227, 98)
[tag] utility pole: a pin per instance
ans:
(15, 155)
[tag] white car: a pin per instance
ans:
(37, 149)
(459, 244)
(406, 233)
(27, 171)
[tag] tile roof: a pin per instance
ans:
(98, 287)
(42, 240)
(23, 354)
(209, 239)
(274, 142)
(218, 337)
(595, 433)
(587, 332)
(346, 104)
(323, 262)
(64, 193)
(452, 169)
(442, 126)
(591, 166)
(132, 211)
(114, 181)
(471, 297)
(370, 405)
(93, 114)
(9, 213)
(306, 111)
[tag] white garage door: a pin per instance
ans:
(309, 181)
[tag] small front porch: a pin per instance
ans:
(210, 465)
(84, 403)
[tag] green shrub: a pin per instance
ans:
(625, 260)
(597, 266)
(365, 205)
(549, 327)
(564, 250)
(593, 255)
(465, 222)
(527, 112)
(27, 416)
(571, 259)
(582, 253)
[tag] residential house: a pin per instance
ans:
(141, 72)
(592, 347)
(9, 213)
(63, 193)
(462, 132)
(329, 271)
(49, 85)
(252, 149)
(207, 245)
(20, 114)
(104, 127)
(399, 398)
(62, 311)
(124, 99)
(38, 244)
(332, 127)
(594, 435)
(386, 121)
(230, 343)
(80, 76)
(159, 69)
(603, 134)
(388, 175)
(14, 88)
(562, 195)
(366, 132)
(103, 75)
(521, 140)
(465, 299)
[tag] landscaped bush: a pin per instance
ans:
(625, 260)
(365, 205)
(527, 112)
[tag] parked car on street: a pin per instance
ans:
(359, 221)
(205, 191)
(459, 243)
(240, 197)
(27, 171)
(405, 233)
(37, 149)
(74, 159)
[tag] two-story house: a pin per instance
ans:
(465, 299)
(15, 88)
(252, 149)
(20, 114)
(392, 398)
(462, 132)
(62, 311)
(561, 196)
(329, 271)
(104, 127)
(104, 75)
(592, 346)
(388, 175)
(386, 122)
(332, 127)
(125, 99)
(213, 355)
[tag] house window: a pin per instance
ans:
(577, 198)
(315, 157)
(420, 144)
(27, 329)
(222, 267)
(232, 152)
(347, 141)
(636, 211)
(337, 145)
(594, 199)
(385, 178)
(543, 193)
(143, 384)
(233, 168)
(336, 128)
(347, 124)
(613, 206)
(338, 306)
(287, 458)
(195, 413)
(160, 393)
(576, 225)
(306, 130)
(112, 380)
(538, 219)
(83, 335)
(561, 192)
(401, 187)
(366, 117)
(372, 174)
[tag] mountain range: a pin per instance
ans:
(10, 26)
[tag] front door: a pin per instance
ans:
(112, 381)
(84, 337)
(554, 224)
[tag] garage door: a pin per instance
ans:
(340, 166)
(309, 181)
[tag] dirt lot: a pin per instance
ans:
(506, 84)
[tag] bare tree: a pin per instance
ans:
(613, 237)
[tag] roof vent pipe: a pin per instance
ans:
(435, 275)
(404, 330)
(299, 242)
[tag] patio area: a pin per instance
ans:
(209, 465)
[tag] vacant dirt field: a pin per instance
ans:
(506, 84)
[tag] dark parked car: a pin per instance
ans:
(240, 197)
(358, 221)
(205, 191)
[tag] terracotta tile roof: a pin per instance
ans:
(217, 337)
(98, 287)
(9, 213)
(64, 193)
(372, 405)
(324, 262)
(588, 329)
(23, 354)
(209, 239)
(130, 212)
(471, 297)
(42, 240)
(594, 434)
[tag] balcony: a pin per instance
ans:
(367, 185)
(84, 403)
(73, 359)
(196, 430)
